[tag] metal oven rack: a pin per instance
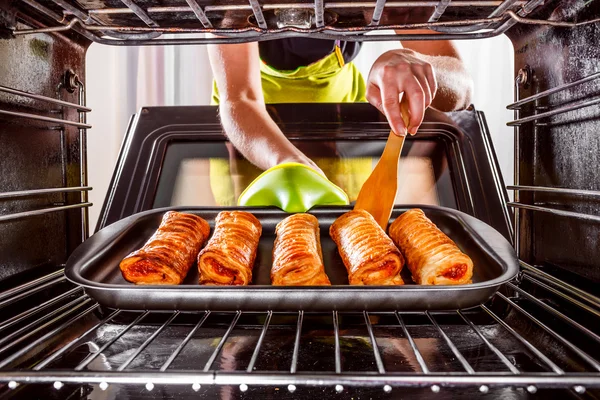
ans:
(541, 333)
(58, 124)
(518, 106)
(97, 24)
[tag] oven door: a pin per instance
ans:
(179, 156)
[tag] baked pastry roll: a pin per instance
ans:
(432, 257)
(297, 255)
(370, 256)
(169, 254)
(229, 256)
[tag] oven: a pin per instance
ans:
(538, 336)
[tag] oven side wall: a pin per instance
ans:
(38, 155)
(564, 150)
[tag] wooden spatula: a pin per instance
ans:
(378, 193)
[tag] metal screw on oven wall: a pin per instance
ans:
(196, 386)
(70, 80)
(149, 386)
(579, 389)
(243, 387)
(339, 388)
(103, 385)
(12, 385)
(292, 388)
(531, 389)
(58, 385)
(387, 388)
(435, 389)
(484, 389)
(524, 76)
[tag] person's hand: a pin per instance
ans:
(398, 73)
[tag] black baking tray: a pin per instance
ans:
(95, 266)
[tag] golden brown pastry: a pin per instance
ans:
(369, 255)
(297, 256)
(432, 257)
(229, 256)
(169, 254)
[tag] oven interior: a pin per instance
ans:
(539, 336)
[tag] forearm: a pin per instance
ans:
(254, 134)
(455, 86)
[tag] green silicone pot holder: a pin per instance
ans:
(292, 187)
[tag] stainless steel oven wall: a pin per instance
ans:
(562, 150)
(36, 155)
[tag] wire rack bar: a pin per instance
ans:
(185, 341)
(502, 8)
(258, 14)
(11, 300)
(555, 312)
(554, 211)
(413, 345)
(546, 93)
(29, 286)
(58, 18)
(34, 96)
(252, 35)
(294, 365)
(74, 10)
(215, 353)
(377, 12)
(199, 13)
(137, 10)
(563, 296)
(556, 111)
(590, 360)
(451, 344)
(439, 10)
(257, 34)
(539, 274)
(36, 192)
(336, 337)
(83, 170)
(376, 354)
(310, 5)
(542, 380)
(319, 13)
(494, 349)
(106, 345)
(54, 332)
(57, 121)
(24, 214)
(263, 333)
(73, 342)
(39, 308)
(28, 330)
(146, 343)
(524, 342)
(578, 192)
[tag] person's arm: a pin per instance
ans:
(430, 73)
(248, 125)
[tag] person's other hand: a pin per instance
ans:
(398, 73)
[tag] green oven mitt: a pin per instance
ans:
(294, 188)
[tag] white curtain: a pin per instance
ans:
(121, 80)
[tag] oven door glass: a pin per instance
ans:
(215, 174)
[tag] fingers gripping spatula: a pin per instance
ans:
(378, 193)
